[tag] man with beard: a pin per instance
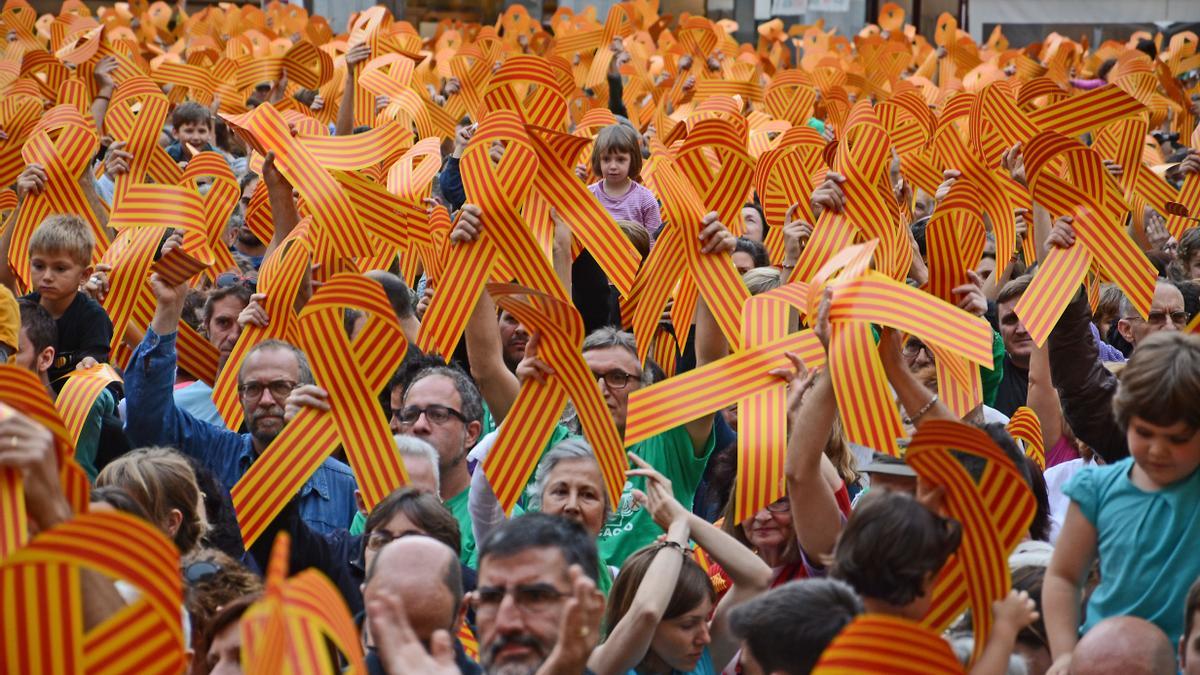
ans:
(536, 607)
(266, 376)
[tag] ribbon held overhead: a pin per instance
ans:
(881, 644)
(539, 404)
(995, 512)
(353, 373)
(1025, 425)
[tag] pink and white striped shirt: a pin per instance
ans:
(638, 204)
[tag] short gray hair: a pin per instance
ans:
(607, 337)
(304, 376)
(411, 446)
(472, 402)
(762, 279)
(573, 447)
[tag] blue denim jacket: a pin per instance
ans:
(151, 418)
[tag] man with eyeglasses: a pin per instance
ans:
(530, 568)
(266, 377)
(1085, 386)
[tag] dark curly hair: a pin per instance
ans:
(891, 544)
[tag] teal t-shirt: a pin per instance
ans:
(703, 667)
(1146, 542)
(630, 526)
(89, 436)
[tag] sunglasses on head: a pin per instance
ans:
(230, 279)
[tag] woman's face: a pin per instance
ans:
(575, 489)
(680, 642)
(1193, 267)
(769, 529)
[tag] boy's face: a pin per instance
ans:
(1165, 455)
(56, 275)
(195, 134)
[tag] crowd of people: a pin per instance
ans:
(672, 558)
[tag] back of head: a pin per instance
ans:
(413, 448)
(38, 325)
(213, 580)
(162, 481)
(66, 235)
(691, 588)
(787, 628)
(638, 235)
(618, 139)
(1124, 645)
(891, 545)
(762, 279)
(422, 509)
(426, 575)
(1161, 381)
(539, 530)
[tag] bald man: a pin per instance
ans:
(425, 575)
(1124, 645)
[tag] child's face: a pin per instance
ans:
(195, 134)
(56, 275)
(615, 165)
(1165, 455)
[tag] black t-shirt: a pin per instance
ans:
(83, 330)
(1014, 388)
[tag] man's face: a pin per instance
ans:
(195, 134)
(753, 224)
(615, 359)
(247, 193)
(222, 327)
(56, 276)
(269, 371)
(1017, 342)
(451, 438)
(923, 205)
(513, 337)
(520, 601)
(1166, 313)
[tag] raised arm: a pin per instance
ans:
(102, 74)
(344, 126)
(1042, 397)
(711, 345)
(1061, 590)
(629, 640)
(919, 403)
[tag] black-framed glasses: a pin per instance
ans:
(437, 414)
(914, 346)
(529, 598)
(1159, 318)
(615, 379)
(200, 571)
(781, 505)
(280, 389)
(229, 279)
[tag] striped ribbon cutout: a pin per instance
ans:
(995, 513)
(539, 405)
(295, 623)
(42, 603)
(353, 373)
(1025, 425)
(884, 644)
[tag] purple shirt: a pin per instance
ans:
(637, 204)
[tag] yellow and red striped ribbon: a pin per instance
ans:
(786, 175)
(65, 159)
(296, 622)
(353, 374)
(136, 116)
(411, 179)
(1025, 425)
(1097, 215)
(499, 191)
(1189, 197)
(887, 645)
(79, 394)
(539, 404)
(18, 116)
(220, 200)
(41, 599)
(995, 514)
(279, 280)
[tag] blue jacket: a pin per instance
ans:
(151, 418)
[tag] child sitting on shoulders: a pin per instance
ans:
(617, 159)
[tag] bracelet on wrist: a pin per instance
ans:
(925, 409)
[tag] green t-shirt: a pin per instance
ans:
(630, 527)
(991, 377)
(458, 507)
(89, 436)
(359, 524)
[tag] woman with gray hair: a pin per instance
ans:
(567, 483)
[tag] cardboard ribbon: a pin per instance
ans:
(20, 390)
(880, 643)
(18, 116)
(785, 176)
(42, 604)
(995, 512)
(79, 394)
(279, 281)
(1097, 217)
(295, 622)
(63, 144)
(136, 116)
(540, 404)
(353, 373)
(500, 191)
(1025, 425)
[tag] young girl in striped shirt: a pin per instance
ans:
(617, 159)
